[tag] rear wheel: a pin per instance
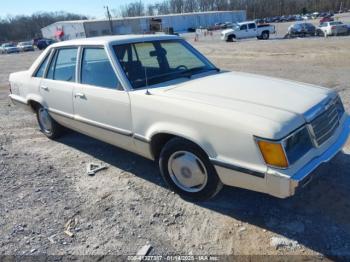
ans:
(187, 170)
(265, 35)
(47, 124)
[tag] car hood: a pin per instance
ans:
(270, 98)
(227, 31)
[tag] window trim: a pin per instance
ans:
(120, 86)
(52, 55)
(48, 57)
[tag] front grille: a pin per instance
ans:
(324, 125)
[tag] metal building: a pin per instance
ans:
(66, 30)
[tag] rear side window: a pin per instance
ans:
(41, 71)
(251, 26)
(63, 65)
(97, 70)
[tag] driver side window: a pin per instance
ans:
(243, 27)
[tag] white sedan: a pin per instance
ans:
(159, 97)
(332, 28)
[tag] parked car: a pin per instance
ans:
(8, 48)
(260, 21)
(332, 28)
(191, 29)
(301, 30)
(44, 43)
(298, 18)
(248, 30)
(327, 18)
(315, 15)
(276, 19)
(157, 96)
(25, 46)
(307, 17)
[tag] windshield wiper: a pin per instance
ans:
(190, 72)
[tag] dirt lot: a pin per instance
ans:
(43, 183)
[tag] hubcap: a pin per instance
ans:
(45, 120)
(187, 171)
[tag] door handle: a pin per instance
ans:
(44, 88)
(80, 95)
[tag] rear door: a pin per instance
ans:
(243, 31)
(252, 30)
(57, 86)
(101, 105)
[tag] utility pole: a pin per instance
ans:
(109, 19)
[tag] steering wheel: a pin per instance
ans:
(181, 67)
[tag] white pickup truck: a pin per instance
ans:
(248, 30)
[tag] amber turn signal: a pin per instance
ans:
(273, 154)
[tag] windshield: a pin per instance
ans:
(154, 62)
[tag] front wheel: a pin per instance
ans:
(47, 124)
(187, 170)
(230, 38)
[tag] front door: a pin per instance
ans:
(101, 106)
(243, 31)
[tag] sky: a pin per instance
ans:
(93, 8)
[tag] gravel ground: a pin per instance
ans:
(43, 184)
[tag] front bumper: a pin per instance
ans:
(304, 175)
(277, 183)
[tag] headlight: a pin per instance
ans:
(283, 153)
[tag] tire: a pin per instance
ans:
(198, 180)
(265, 35)
(230, 38)
(47, 124)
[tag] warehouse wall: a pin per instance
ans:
(182, 23)
(97, 28)
(139, 25)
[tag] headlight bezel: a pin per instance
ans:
(290, 159)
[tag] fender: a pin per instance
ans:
(36, 98)
(186, 132)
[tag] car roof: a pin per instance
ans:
(106, 40)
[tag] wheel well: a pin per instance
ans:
(34, 105)
(265, 31)
(158, 141)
